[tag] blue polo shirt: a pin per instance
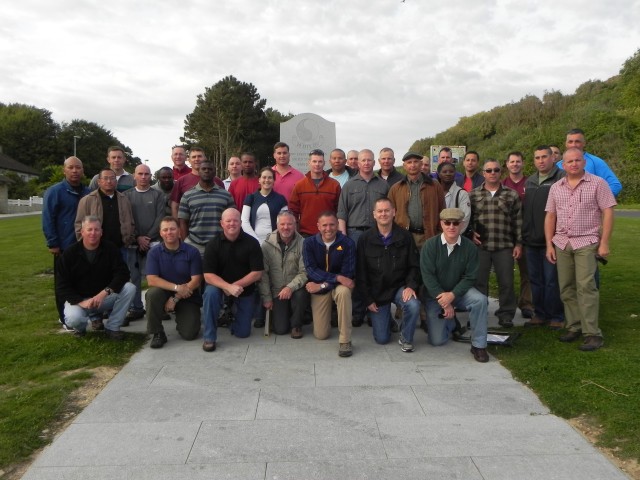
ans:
(176, 267)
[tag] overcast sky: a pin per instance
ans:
(386, 72)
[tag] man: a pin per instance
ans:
(444, 156)
(187, 182)
(593, 165)
(164, 185)
(232, 266)
(285, 175)
(93, 279)
(247, 183)
(116, 158)
(472, 178)
(330, 261)
(59, 209)
(352, 160)
(179, 157)
(388, 272)
(355, 212)
(515, 180)
(496, 220)
(449, 265)
(578, 226)
(388, 172)
(543, 275)
(418, 200)
(112, 208)
(234, 167)
(174, 275)
(315, 193)
(147, 206)
(339, 170)
(284, 277)
(201, 209)
(556, 153)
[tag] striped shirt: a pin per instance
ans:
(497, 218)
(203, 211)
(579, 210)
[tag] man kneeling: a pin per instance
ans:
(449, 266)
(93, 279)
(174, 274)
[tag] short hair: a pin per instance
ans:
(316, 151)
(280, 145)
(339, 150)
(328, 213)
(545, 147)
(516, 153)
(178, 146)
(91, 219)
(551, 145)
(445, 149)
(197, 149)
(444, 164)
(168, 219)
(384, 199)
(490, 160)
(267, 169)
(474, 153)
(105, 170)
(576, 131)
(247, 154)
(164, 169)
(386, 149)
(286, 213)
(116, 148)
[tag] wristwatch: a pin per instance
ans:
(323, 286)
(108, 290)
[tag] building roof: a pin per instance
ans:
(8, 163)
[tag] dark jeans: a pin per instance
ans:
(187, 314)
(288, 314)
(502, 261)
(543, 277)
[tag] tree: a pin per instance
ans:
(229, 118)
(28, 134)
(91, 145)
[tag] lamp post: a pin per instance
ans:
(75, 137)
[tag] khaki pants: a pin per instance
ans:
(321, 309)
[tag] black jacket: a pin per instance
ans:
(535, 201)
(382, 270)
(77, 279)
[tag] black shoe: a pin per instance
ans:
(526, 313)
(158, 340)
(459, 330)
(394, 326)
(258, 324)
(116, 335)
(570, 337)
(357, 321)
(369, 322)
(505, 322)
(79, 333)
(423, 326)
(135, 314)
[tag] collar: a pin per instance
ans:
(444, 241)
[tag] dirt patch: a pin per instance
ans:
(592, 431)
(77, 401)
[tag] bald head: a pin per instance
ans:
(73, 171)
(142, 176)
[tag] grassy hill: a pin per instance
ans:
(608, 111)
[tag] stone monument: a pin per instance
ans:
(304, 133)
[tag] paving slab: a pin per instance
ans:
(351, 374)
(286, 440)
(479, 435)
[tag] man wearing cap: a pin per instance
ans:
(418, 200)
(449, 266)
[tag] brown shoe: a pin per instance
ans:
(591, 343)
(480, 354)
(97, 324)
(296, 332)
(535, 322)
(209, 346)
(556, 325)
(570, 336)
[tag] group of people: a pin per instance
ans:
(337, 245)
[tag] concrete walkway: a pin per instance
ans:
(277, 408)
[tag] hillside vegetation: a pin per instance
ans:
(608, 111)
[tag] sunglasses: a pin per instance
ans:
(491, 170)
(451, 222)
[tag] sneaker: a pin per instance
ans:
(158, 340)
(115, 335)
(345, 350)
(591, 343)
(65, 327)
(405, 346)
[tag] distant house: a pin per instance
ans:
(8, 164)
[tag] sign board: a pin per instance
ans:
(306, 132)
(458, 152)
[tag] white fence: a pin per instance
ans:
(33, 204)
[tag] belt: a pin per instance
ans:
(416, 230)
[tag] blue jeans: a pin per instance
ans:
(440, 328)
(241, 326)
(136, 263)
(380, 319)
(77, 317)
(545, 292)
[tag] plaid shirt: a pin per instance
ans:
(497, 219)
(579, 210)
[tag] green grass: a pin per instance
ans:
(603, 385)
(39, 367)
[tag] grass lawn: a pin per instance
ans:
(39, 367)
(603, 385)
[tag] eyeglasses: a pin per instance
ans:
(451, 222)
(491, 170)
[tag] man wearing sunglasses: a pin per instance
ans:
(449, 266)
(496, 220)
